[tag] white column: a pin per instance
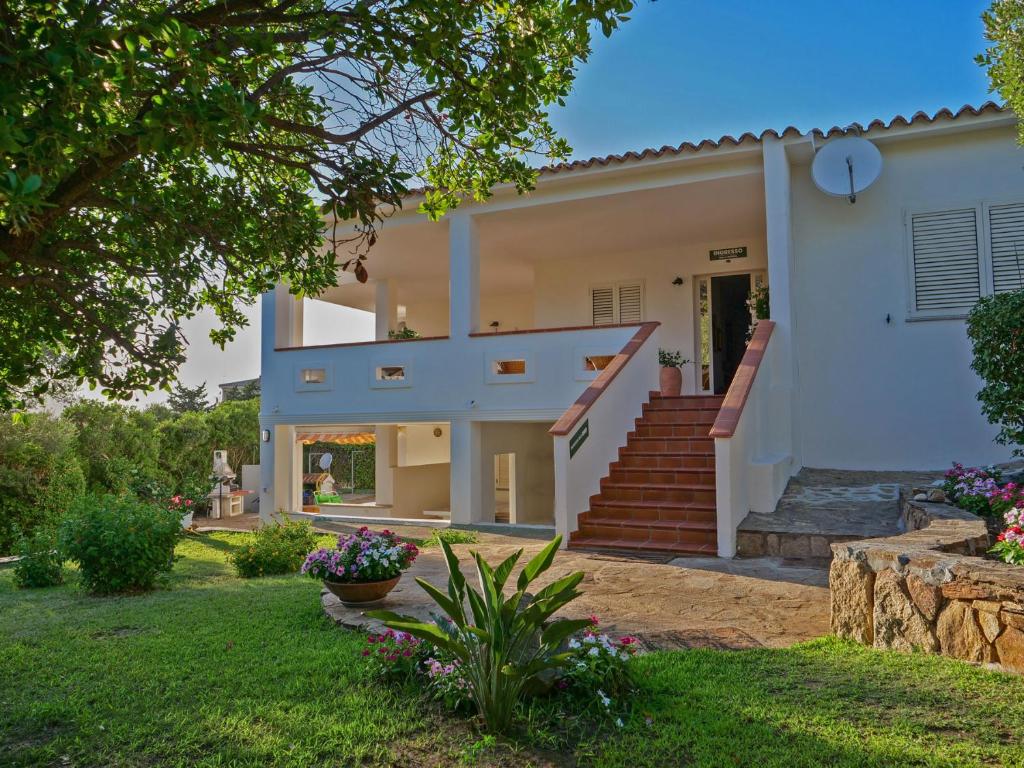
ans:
(779, 237)
(386, 309)
(385, 458)
(266, 473)
(463, 276)
(466, 494)
(288, 312)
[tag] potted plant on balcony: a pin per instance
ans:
(671, 378)
(365, 566)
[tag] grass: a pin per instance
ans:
(213, 670)
(449, 535)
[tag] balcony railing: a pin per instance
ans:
(534, 374)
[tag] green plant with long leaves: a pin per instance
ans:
(503, 644)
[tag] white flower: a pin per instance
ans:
(595, 652)
(604, 699)
(618, 721)
(574, 643)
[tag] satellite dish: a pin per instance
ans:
(844, 167)
(325, 461)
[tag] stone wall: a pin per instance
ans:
(928, 590)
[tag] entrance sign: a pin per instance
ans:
(725, 254)
(579, 438)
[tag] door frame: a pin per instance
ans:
(757, 276)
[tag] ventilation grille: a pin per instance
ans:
(1006, 224)
(946, 274)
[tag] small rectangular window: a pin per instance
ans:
(509, 367)
(390, 373)
(597, 362)
(314, 375)
(947, 274)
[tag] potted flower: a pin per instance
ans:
(365, 566)
(671, 379)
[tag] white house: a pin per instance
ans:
(528, 397)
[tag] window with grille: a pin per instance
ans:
(617, 303)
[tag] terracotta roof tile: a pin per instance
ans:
(687, 146)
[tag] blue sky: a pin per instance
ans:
(693, 69)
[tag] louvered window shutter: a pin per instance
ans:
(946, 271)
(603, 305)
(1006, 227)
(630, 303)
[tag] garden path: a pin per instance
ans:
(669, 603)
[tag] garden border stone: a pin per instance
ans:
(928, 590)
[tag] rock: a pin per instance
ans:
(796, 547)
(1015, 620)
(1010, 646)
(852, 585)
(936, 496)
(963, 590)
(987, 606)
(926, 597)
(920, 497)
(959, 634)
(897, 623)
(820, 547)
(989, 623)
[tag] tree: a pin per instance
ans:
(1004, 57)
(996, 329)
(117, 446)
(160, 157)
(184, 399)
(248, 391)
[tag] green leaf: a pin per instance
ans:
(540, 563)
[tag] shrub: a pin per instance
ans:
(996, 329)
(503, 645)
(668, 358)
(394, 655)
(360, 557)
(121, 544)
(598, 672)
(1010, 496)
(1009, 546)
(40, 476)
(970, 488)
(41, 564)
(275, 549)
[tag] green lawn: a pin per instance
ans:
(217, 671)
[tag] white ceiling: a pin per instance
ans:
(510, 241)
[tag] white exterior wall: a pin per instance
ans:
(563, 286)
(534, 471)
(897, 395)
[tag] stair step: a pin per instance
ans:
(656, 493)
(652, 476)
(670, 445)
(670, 430)
(685, 402)
(631, 461)
(619, 545)
(678, 416)
(592, 518)
(679, 512)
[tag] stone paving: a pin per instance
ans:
(821, 506)
(668, 603)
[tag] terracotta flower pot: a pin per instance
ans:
(359, 593)
(671, 381)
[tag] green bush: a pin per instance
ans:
(115, 444)
(41, 564)
(40, 476)
(121, 544)
(996, 329)
(275, 549)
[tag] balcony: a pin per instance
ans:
(528, 375)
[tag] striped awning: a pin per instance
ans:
(338, 438)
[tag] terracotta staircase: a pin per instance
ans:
(660, 494)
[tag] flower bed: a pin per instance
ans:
(981, 492)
